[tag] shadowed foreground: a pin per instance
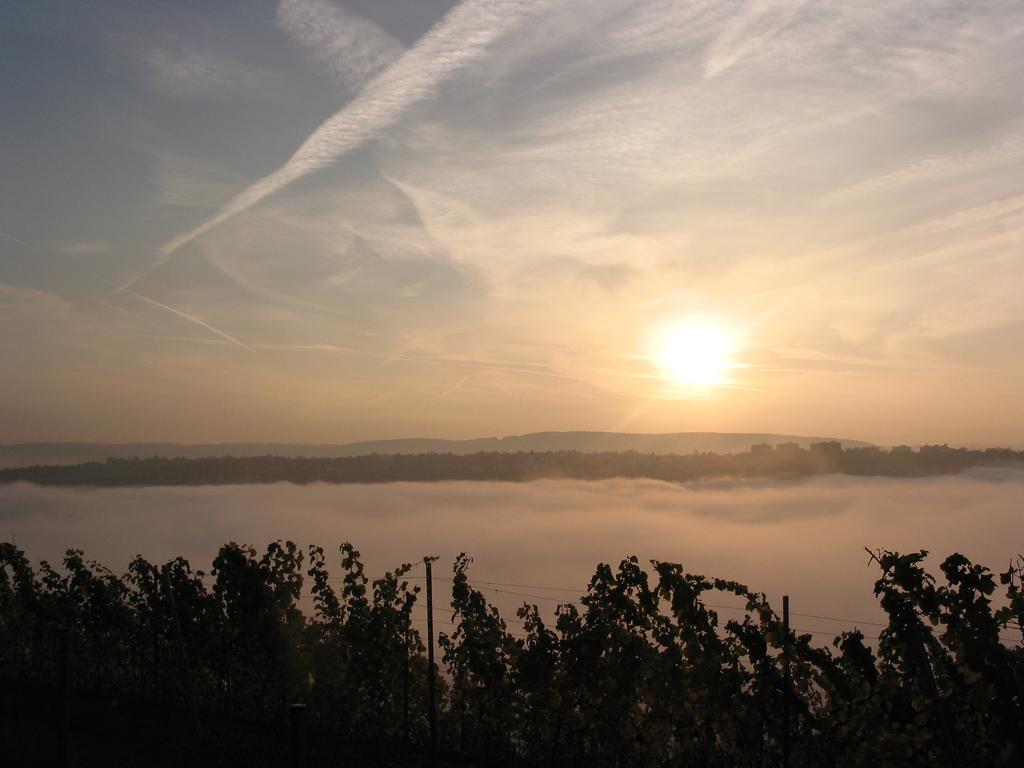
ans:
(168, 666)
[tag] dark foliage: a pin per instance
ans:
(169, 665)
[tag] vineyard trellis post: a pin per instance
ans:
(431, 702)
(297, 732)
(63, 686)
(155, 631)
(405, 688)
(785, 681)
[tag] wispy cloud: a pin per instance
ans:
(28, 302)
(114, 308)
(81, 247)
(460, 38)
(757, 22)
(62, 247)
(352, 47)
(938, 165)
(17, 240)
(188, 182)
(182, 70)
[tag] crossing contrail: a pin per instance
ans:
(186, 316)
(460, 38)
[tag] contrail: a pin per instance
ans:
(188, 317)
(18, 240)
(353, 47)
(755, 24)
(460, 38)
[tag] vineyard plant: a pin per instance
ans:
(296, 657)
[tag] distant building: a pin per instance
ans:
(761, 449)
(788, 450)
(935, 449)
(828, 449)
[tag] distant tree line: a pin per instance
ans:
(785, 460)
(641, 671)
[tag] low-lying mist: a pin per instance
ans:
(805, 539)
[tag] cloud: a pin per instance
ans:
(16, 240)
(354, 258)
(22, 305)
(190, 318)
(757, 22)
(937, 167)
(460, 38)
(81, 247)
(181, 70)
(189, 182)
(352, 48)
(993, 348)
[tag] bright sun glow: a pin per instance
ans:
(694, 355)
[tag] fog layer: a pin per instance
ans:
(804, 539)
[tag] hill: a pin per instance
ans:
(782, 462)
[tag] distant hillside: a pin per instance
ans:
(28, 454)
(784, 461)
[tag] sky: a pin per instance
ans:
(328, 220)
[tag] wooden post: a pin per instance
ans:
(431, 704)
(63, 686)
(785, 681)
(405, 690)
(297, 724)
(155, 631)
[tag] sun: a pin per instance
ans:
(696, 355)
